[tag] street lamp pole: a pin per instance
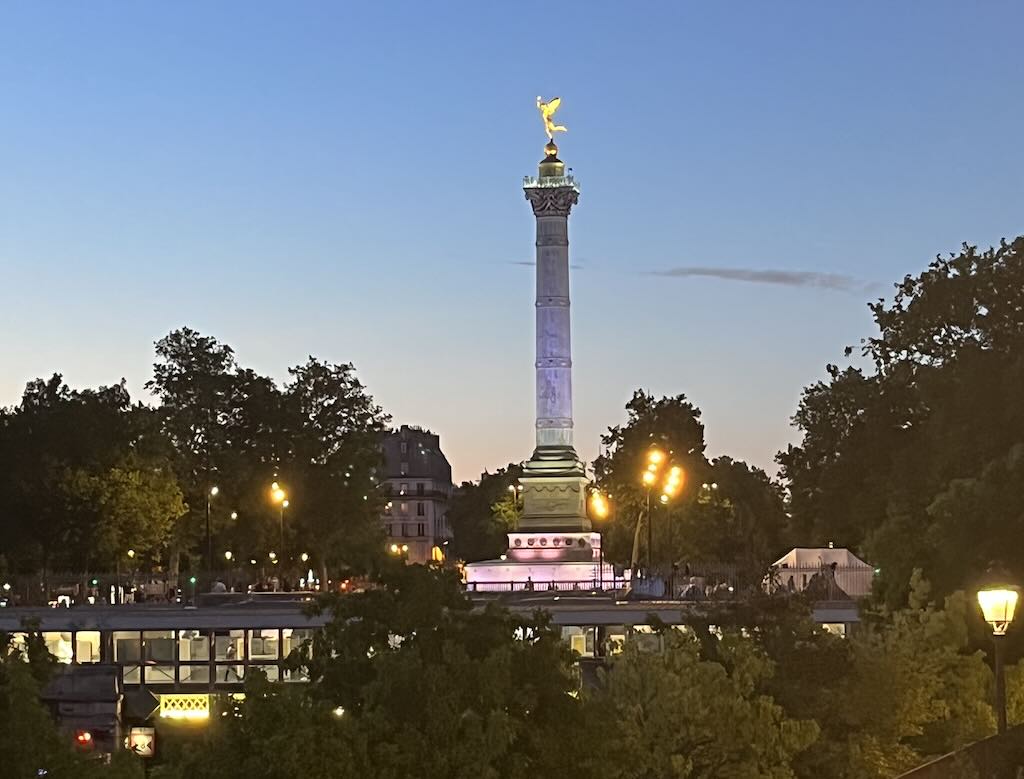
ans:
(211, 492)
(284, 505)
(997, 641)
(279, 496)
(657, 461)
(998, 604)
(650, 537)
(599, 508)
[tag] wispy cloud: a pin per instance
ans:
(785, 278)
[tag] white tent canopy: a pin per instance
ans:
(830, 574)
(803, 557)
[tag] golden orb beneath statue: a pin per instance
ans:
(550, 149)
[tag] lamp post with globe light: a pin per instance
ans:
(280, 497)
(599, 507)
(210, 494)
(659, 472)
(998, 605)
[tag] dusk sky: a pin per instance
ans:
(344, 180)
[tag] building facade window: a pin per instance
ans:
(421, 510)
(404, 468)
(403, 508)
(419, 488)
(403, 489)
(404, 447)
(419, 530)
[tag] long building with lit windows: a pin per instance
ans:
(418, 479)
(131, 664)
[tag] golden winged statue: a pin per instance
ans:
(547, 110)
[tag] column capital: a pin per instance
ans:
(552, 201)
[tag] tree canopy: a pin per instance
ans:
(913, 457)
(87, 475)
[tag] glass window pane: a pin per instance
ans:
(263, 645)
(18, 642)
(158, 646)
(301, 675)
(132, 674)
(127, 647)
(228, 645)
(193, 645)
(293, 638)
(194, 674)
(230, 674)
(59, 645)
(159, 674)
(270, 670)
(87, 646)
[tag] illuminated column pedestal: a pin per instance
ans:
(545, 561)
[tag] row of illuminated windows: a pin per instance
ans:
(588, 641)
(169, 648)
(403, 508)
(404, 530)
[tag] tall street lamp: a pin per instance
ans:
(659, 472)
(517, 492)
(210, 494)
(998, 604)
(280, 497)
(600, 509)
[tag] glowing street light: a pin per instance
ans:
(304, 557)
(517, 491)
(211, 493)
(599, 506)
(234, 515)
(131, 554)
(998, 605)
(272, 555)
(671, 481)
(228, 556)
(279, 496)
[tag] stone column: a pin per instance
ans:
(554, 342)
(554, 482)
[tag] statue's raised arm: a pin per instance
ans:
(547, 110)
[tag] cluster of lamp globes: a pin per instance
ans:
(660, 472)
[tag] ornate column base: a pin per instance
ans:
(554, 491)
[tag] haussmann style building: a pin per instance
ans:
(419, 479)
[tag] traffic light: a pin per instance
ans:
(94, 582)
(192, 580)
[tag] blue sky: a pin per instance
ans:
(343, 179)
